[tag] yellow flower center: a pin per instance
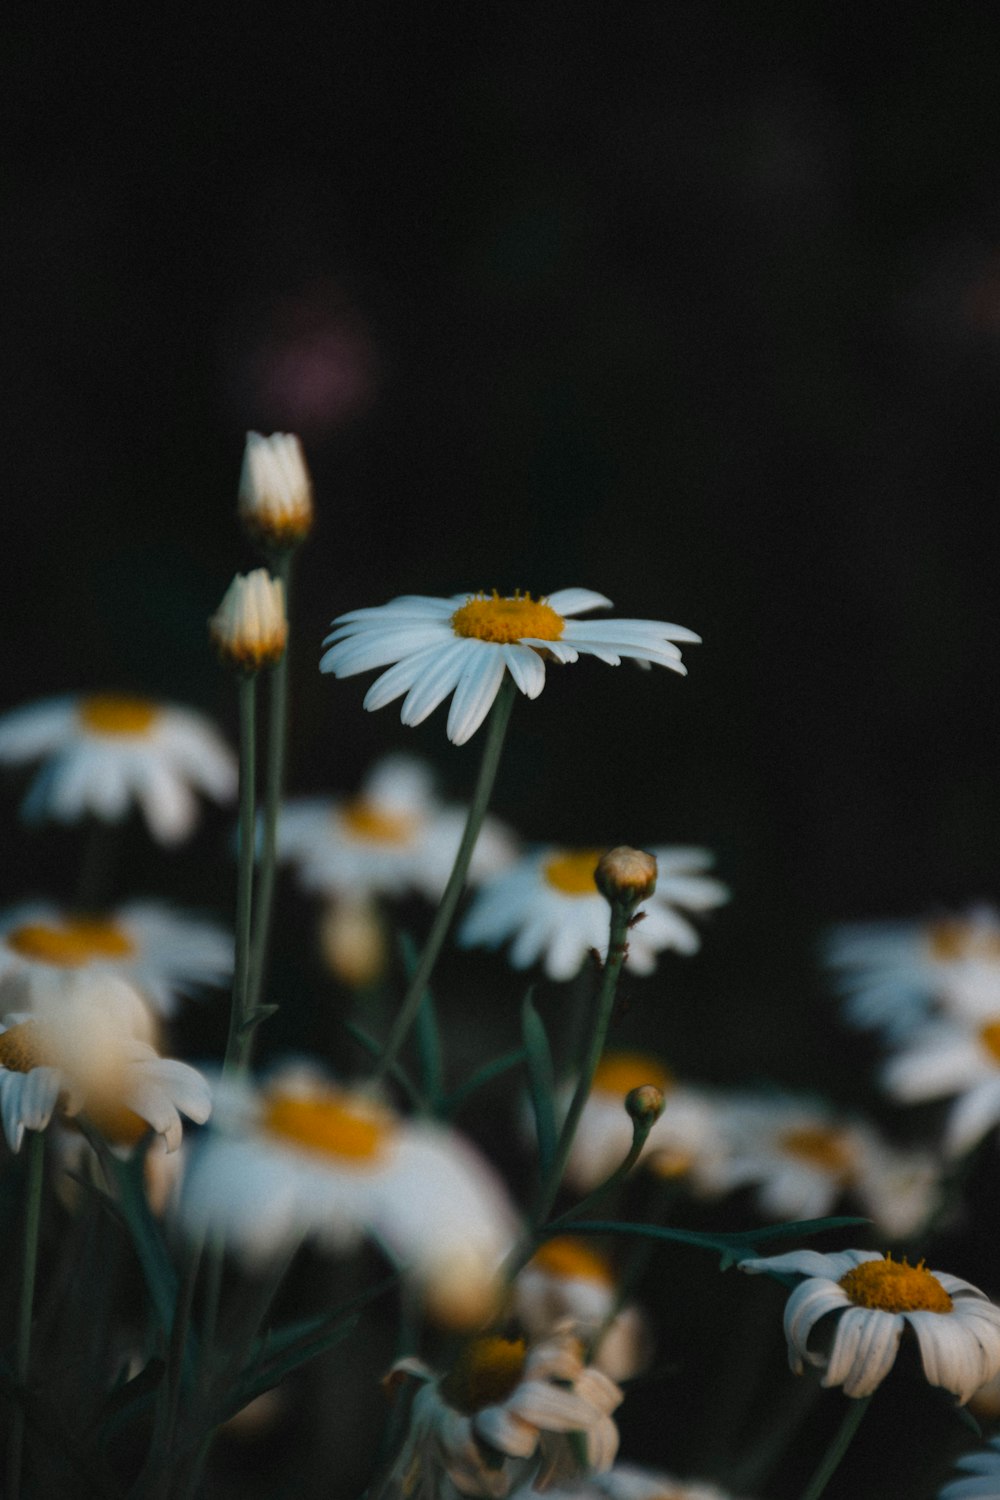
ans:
(109, 713)
(569, 1256)
(818, 1146)
(362, 820)
(22, 1048)
(571, 872)
(70, 942)
(620, 1072)
(330, 1124)
(504, 620)
(895, 1287)
(486, 1372)
(115, 1121)
(989, 1035)
(953, 939)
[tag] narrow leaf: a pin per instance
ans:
(541, 1081)
(374, 1049)
(453, 1102)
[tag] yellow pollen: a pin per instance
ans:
(108, 713)
(363, 820)
(572, 871)
(895, 1287)
(504, 620)
(989, 1035)
(486, 1372)
(22, 1048)
(952, 939)
(819, 1147)
(568, 1256)
(71, 942)
(330, 1124)
(620, 1072)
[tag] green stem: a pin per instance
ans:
(274, 777)
(412, 1000)
(831, 1458)
(240, 1031)
(640, 1135)
(32, 1220)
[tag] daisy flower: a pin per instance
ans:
(302, 1157)
(549, 905)
(161, 952)
(506, 1412)
(394, 837)
(86, 1066)
(102, 754)
(947, 1058)
(275, 494)
(871, 1300)
(249, 629)
(627, 1482)
(980, 1476)
(566, 1281)
(466, 644)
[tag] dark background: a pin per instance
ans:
(696, 304)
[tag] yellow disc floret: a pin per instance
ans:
(989, 1035)
(486, 1372)
(109, 713)
(566, 1255)
(952, 939)
(571, 871)
(894, 1286)
(819, 1146)
(619, 1073)
(22, 1048)
(361, 820)
(70, 943)
(516, 617)
(330, 1124)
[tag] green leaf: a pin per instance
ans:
(541, 1081)
(733, 1248)
(428, 1032)
(453, 1102)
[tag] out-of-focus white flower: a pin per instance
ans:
(522, 1402)
(64, 998)
(550, 906)
(948, 1058)
(467, 644)
(163, 1169)
(162, 952)
(353, 941)
(303, 1157)
(249, 629)
(565, 1281)
(275, 496)
(627, 1482)
(86, 1066)
(104, 753)
(396, 836)
(874, 1299)
(980, 1476)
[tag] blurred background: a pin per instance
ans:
(694, 304)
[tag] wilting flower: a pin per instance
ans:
(249, 629)
(946, 1058)
(872, 1300)
(467, 644)
(161, 952)
(506, 1412)
(980, 1476)
(549, 904)
(567, 1283)
(275, 495)
(86, 1066)
(105, 753)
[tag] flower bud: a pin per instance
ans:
(626, 875)
(249, 629)
(645, 1105)
(275, 495)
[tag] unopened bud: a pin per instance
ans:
(249, 629)
(645, 1104)
(626, 875)
(275, 496)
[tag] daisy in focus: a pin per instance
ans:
(163, 953)
(550, 909)
(980, 1479)
(467, 644)
(506, 1412)
(302, 1157)
(871, 1301)
(945, 1058)
(566, 1281)
(103, 754)
(87, 1067)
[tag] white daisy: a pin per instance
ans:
(395, 837)
(506, 1412)
(86, 1066)
(104, 753)
(872, 1300)
(980, 1476)
(162, 952)
(550, 906)
(467, 643)
(948, 1058)
(302, 1157)
(566, 1281)
(628, 1482)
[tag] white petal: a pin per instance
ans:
(436, 681)
(971, 1117)
(527, 669)
(506, 1431)
(806, 1305)
(399, 679)
(576, 601)
(477, 688)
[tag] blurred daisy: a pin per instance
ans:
(568, 1282)
(627, 1482)
(302, 1157)
(871, 1300)
(104, 753)
(506, 1412)
(947, 1058)
(466, 644)
(395, 837)
(980, 1476)
(86, 1066)
(163, 953)
(550, 906)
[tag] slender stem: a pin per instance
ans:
(32, 1220)
(412, 1000)
(274, 777)
(640, 1134)
(831, 1458)
(238, 1044)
